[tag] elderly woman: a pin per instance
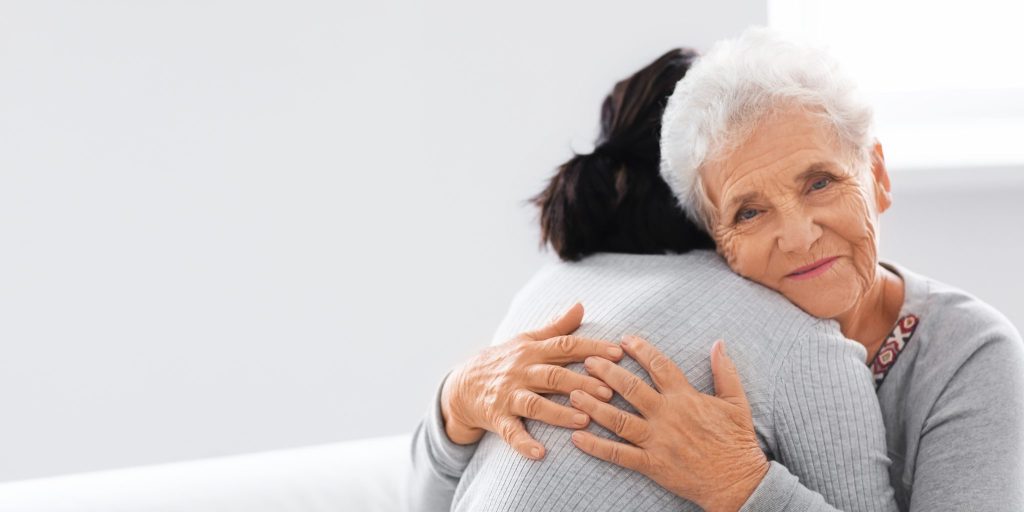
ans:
(769, 149)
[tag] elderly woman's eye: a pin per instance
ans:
(821, 183)
(746, 214)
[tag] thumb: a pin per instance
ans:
(727, 380)
(564, 324)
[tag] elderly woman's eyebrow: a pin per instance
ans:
(815, 168)
(742, 199)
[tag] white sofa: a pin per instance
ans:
(366, 475)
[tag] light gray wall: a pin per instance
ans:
(234, 226)
(964, 227)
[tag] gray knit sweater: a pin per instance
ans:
(952, 435)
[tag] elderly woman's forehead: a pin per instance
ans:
(776, 152)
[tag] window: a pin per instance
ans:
(944, 77)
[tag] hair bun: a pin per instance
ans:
(611, 151)
(613, 198)
(636, 159)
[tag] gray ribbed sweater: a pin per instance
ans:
(811, 395)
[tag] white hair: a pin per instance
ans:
(738, 84)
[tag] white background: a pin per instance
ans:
(236, 226)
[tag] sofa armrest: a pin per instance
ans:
(365, 474)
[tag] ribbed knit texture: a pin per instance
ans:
(811, 393)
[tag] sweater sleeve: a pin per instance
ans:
(829, 432)
(437, 461)
(971, 449)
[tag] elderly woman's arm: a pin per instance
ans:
(970, 453)
(492, 392)
(437, 461)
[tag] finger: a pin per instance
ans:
(528, 404)
(547, 378)
(511, 429)
(568, 349)
(632, 388)
(617, 453)
(727, 379)
(628, 426)
(565, 323)
(665, 374)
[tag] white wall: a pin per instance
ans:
(234, 226)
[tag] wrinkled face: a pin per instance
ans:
(790, 214)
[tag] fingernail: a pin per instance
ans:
(721, 347)
(580, 419)
(614, 351)
(604, 392)
(588, 362)
(574, 396)
(535, 452)
(627, 341)
(577, 437)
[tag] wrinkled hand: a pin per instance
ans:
(700, 447)
(500, 385)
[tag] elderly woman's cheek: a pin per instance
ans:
(725, 244)
(742, 252)
(855, 223)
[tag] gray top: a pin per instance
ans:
(811, 395)
(953, 403)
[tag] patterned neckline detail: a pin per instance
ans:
(891, 347)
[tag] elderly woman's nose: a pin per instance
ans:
(798, 233)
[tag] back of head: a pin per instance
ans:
(614, 199)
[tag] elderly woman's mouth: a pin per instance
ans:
(814, 269)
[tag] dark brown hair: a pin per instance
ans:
(614, 199)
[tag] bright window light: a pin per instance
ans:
(944, 77)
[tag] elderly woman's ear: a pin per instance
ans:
(883, 190)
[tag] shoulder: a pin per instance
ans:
(694, 294)
(678, 279)
(959, 324)
(959, 402)
(963, 343)
(669, 273)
